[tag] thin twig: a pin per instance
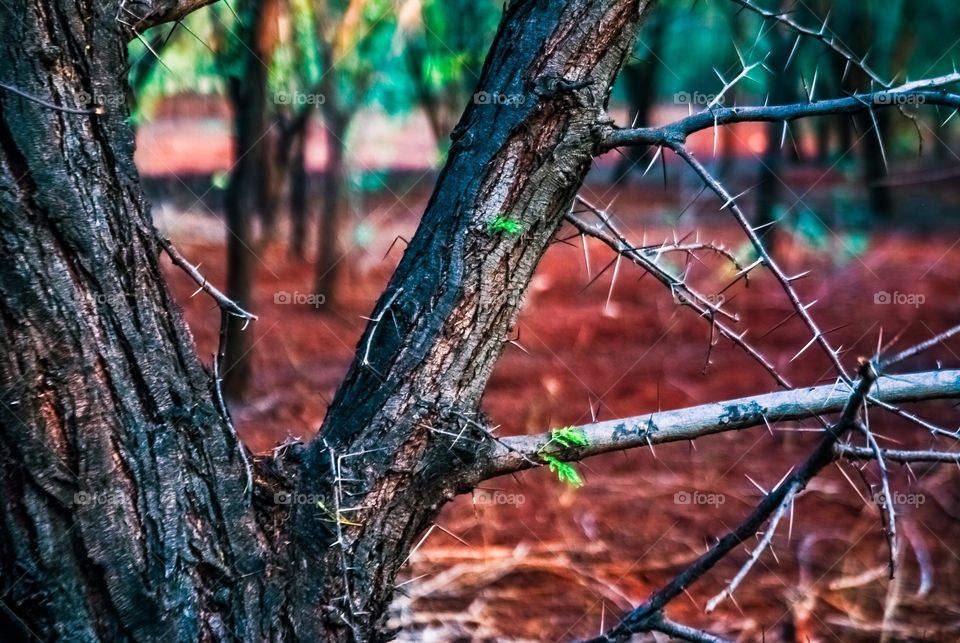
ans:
(226, 304)
(39, 101)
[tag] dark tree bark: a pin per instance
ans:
(123, 511)
(103, 393)
(447, 312)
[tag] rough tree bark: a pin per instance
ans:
(123, 511)
(448, 309)
(103, 395)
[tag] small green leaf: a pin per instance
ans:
(569, 436)
(565, 472)
(505, 225)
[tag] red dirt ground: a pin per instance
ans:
(560, 563)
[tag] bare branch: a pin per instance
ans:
(821, 34)
(49, 105)
(608, 233)
(226, 304)
(892, 455)
(802, 309)
(144, 14)
(921, 347)
(921, 91)
(689, 423)
(758, 550)
(682, 632)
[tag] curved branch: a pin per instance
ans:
(140, 16)
(823, 35)
(516, 453)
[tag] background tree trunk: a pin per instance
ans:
(329, 257)
(639, 82)
(246, 192)
(299, 193)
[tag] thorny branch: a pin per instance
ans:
(643, 617)
(928, 92)
(694, 422)
(821, 34)
(228, 308)
(607, 232)
(872, 388)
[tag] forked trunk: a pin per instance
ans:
(125, 511)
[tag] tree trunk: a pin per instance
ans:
(447, 312)
(105, 397)
(245, 191)
(299, 192)
(329, 257)
(123, 511)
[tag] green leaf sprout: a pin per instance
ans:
(503, 224)
(564, 437)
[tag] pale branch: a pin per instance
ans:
(887, 508)
(685, 295)
(903, 355)
(827, 38)
(683, 632)
(693, 422)
(640, 618)
(913, 351)
(918, 92)
(764, 543)
(851, 452)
